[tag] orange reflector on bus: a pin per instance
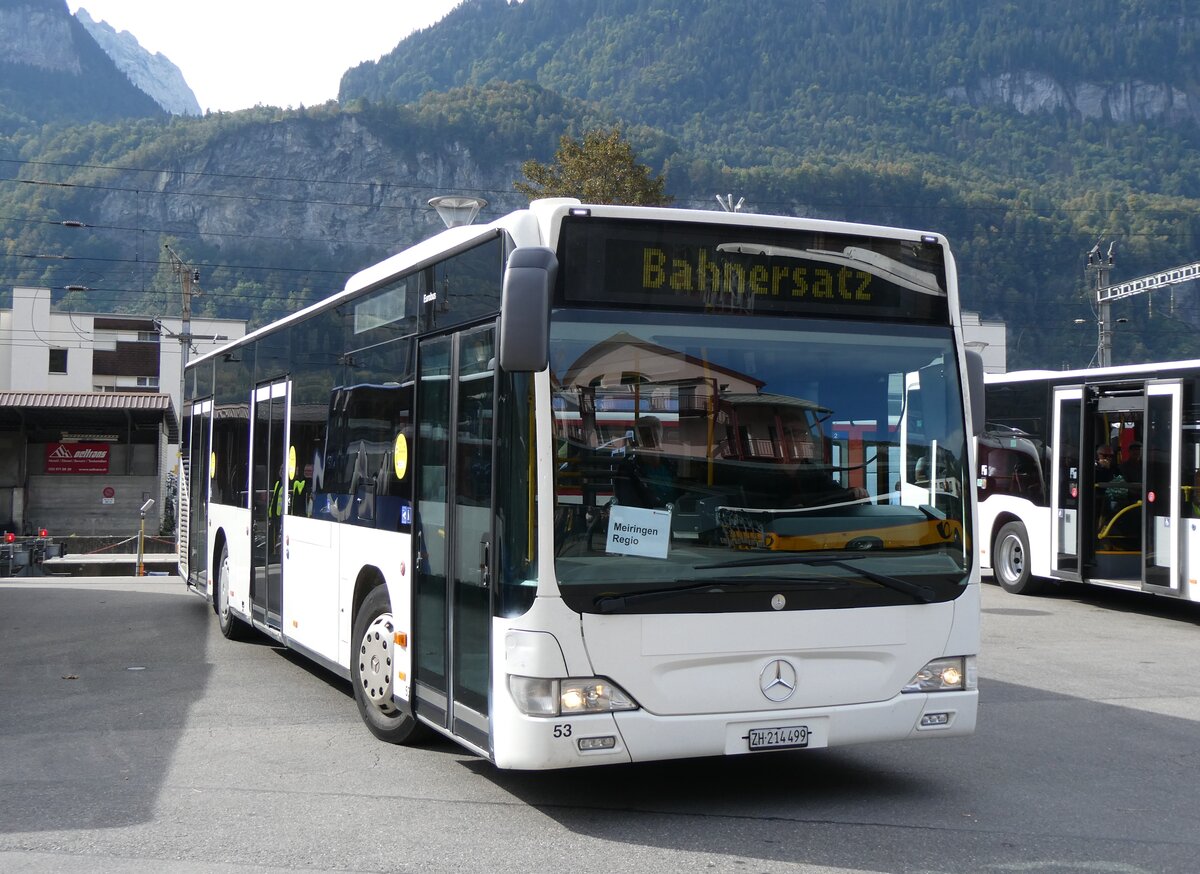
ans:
(401, 639)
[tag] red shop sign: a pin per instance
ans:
(77, 457)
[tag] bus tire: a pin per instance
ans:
(371, 672)
(1010, 561)
(231, 627)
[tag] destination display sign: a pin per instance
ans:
(750, 270)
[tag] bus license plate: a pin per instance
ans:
(787, 737)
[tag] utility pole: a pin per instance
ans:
(189, 283)
(1098, 266)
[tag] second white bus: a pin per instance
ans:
(1093, 476)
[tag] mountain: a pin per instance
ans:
(154, 74)
(722, 61)
(1024, 131)
(52, 70)
(1050, 125)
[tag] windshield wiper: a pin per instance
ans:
(915, 590)
(613, 603)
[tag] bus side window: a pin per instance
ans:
(1027, 479)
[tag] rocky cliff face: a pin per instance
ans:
(331, 195)
(154, 74)
(1030, 92)
(40, 37)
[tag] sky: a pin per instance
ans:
(240, 53)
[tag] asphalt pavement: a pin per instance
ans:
(134, 738)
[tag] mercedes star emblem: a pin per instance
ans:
(778, 680)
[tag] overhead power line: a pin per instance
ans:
(176, 172)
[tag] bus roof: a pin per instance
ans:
(538, 226)
(1090, 374)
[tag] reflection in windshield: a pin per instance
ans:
(715, 438)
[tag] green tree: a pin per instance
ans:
(600, 168)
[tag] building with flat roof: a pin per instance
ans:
(89, 414)
(988, 337)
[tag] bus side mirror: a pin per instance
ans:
(975, 388)
(525, 309)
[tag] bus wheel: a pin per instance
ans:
(1010, 561)
(371, 672)
(230, 625)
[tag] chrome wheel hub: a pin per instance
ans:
(1012, 559)
(223, 590)
(375, 663)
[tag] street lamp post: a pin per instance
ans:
(456, 211)
(141, 563)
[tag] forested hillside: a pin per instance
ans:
(1026, 132)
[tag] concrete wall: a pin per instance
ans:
(76, 504)
(12, 495)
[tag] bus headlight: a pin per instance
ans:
(955, 674)
(538, 696)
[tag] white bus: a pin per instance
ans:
(597, 484)
(1093, 476)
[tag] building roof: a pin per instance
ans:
(92, 408)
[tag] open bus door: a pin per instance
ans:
(1065, 466)
(1163, 489)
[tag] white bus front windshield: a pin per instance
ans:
(715, 463)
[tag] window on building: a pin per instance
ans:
(147, 382)
(58, 361)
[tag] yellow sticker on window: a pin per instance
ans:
(212, 466)
(400, 455)
(291, 462)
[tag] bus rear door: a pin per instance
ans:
(194, 477)
(268, 501)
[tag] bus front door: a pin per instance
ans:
(1162, 448)
(268, 501)
(453, 532)
(1065, 482)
